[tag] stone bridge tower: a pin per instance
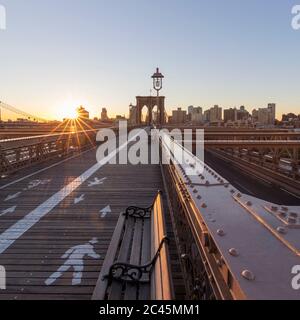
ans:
(151, 102)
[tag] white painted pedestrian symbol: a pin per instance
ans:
(12, 196)
(79, 199)
(9, 210)
(75, 257)
(105, 211)
(96, 182)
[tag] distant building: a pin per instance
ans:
(255, 116)
(265, 116)
(206, 116)
(83, 113)
(197, 115)
(242, 114)
(236, 115)
(230, 115)
(119, 118)
(272, 111)
(179, 116)
(189, 113)
(190, 110)
(104, 116)
(132, 114)
(215, 114)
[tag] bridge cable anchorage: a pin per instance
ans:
(20, 112)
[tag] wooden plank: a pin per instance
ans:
(153, 248)
(157, 295)
(144, 290)
(164, 262)
(37, 254)
(100, 289)
(131, 291)
(116, 287)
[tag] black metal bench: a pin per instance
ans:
(137, 265)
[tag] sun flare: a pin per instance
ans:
(67, 109)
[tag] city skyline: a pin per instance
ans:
(211, 53)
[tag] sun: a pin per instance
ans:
(67, 109)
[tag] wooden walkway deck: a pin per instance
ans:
(33, 257)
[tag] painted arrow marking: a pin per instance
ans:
(13, 196)
(79, 199)
(9, 210)
(96, 182)
(105, 211)
(35, 183)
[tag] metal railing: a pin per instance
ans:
(19, 153)
(206, 275)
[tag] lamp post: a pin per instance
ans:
(157, 81)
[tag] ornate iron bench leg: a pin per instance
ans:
(131, 273)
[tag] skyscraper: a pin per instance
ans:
(104, 115)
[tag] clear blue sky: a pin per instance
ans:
(103, 52)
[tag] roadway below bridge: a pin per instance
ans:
(250, 184)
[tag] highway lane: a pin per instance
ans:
(250, 185)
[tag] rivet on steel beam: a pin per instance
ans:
(294, 215)
(248, 275)
(292, 220)
(207, 183)
(195, 191)
(199, 197)
(274, 208)
(221, 232)
(233, 252)
(286, 209)
(282, 230)
(239, 195)
(232, 191)
(282, 214)
(249, 203)
(204, 205)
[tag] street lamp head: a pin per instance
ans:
(157, 80)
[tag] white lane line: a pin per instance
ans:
(44, 169)
(8, 237)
